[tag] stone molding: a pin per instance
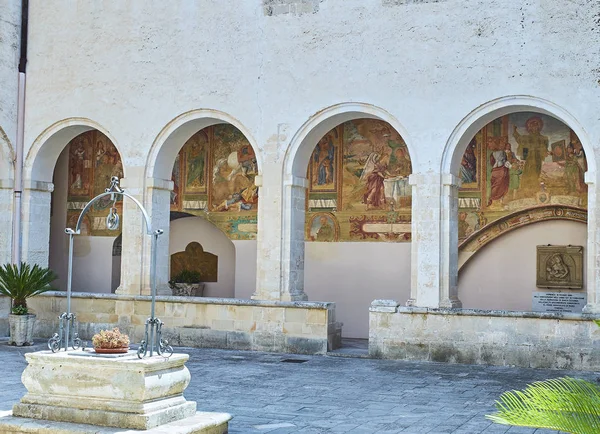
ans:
(159, 184)
(200, 300)
(7, 184)
(29, 184)
(296, 181)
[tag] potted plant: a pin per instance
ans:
(187, 283)
(110, 342)
(20, 283)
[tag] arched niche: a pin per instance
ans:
(186, 229)
(83, 170)
(518, 159)
(352, 227)
(214, 164)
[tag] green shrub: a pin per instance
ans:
(186, 276)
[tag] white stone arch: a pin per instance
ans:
(455, 148)
(296, 160)
(173, 136)
(482, 115)
(38, 171)
(42, 156)
(159, 167)
(7, 175)
(303, 142)
(7, 157)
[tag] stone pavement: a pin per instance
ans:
(324, 394)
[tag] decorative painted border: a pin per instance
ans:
(519, 219)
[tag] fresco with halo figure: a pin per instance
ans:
(358, 184)
(214, 178)
(93, 160)
(517, 162)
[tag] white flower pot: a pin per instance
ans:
(21, 329)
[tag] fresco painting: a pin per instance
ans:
(523, 160)
(195, 157)
(93, 160)
(323, 227)
(214, 176)
(358, 173)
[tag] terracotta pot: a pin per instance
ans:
(111, 350)
(21, 329)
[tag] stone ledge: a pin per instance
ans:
(496, 313)
(196, 300)
(389, 306)
(201, 422)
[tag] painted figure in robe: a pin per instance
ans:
(533, 148)
(374, 173)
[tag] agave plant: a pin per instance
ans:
(20, 283)
(563, 404)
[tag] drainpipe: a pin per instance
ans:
(18, 189)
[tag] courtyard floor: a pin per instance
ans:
(285, 393)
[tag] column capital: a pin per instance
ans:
(295, 181)
(160, 184)
(29, 184)
(7, 184)
(430, 178)
(451, 180)
(589, 177)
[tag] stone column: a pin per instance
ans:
(426, 237)
(136, 252)
(36, 221)
(449, 244)
(158, 205)
(280, 240)
(134, 271)
(292, 255)
(593, 247)
(6, 219)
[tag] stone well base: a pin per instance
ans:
(205, 423)
(119, 391)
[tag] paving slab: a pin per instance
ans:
(327, 394)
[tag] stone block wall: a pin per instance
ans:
(294, 327)
(502, 338)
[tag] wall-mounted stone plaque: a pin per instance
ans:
(560, 302)
(559, 267)
(195, 259)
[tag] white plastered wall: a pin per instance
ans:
(502, 274)
(353, 275)
(428, 64)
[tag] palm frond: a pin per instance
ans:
(20, 283)
(564, 404)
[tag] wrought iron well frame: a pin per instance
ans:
(153, 340)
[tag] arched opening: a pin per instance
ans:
(213, 167)
(83, 170)
(218, 275)
(6, 196)
(519, 168)
(357, 211)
